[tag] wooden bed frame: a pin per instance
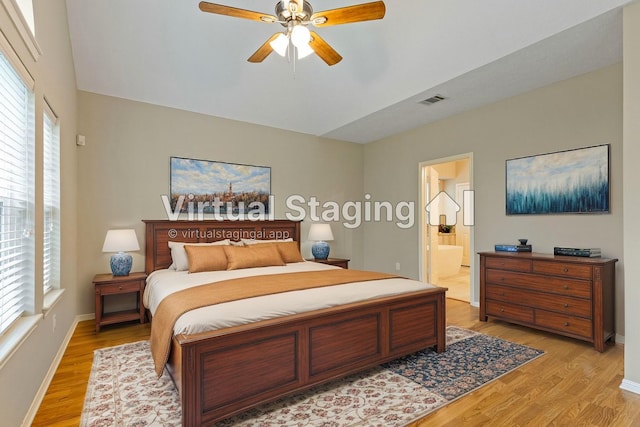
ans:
(228, 371)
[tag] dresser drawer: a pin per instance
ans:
(563, 269)
(116, 288)
(509, 264)
(564, 323)
(557, 285)
(510, 311)
(557, 303)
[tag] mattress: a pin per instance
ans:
(162, 283)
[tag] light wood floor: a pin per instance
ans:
(571, 385)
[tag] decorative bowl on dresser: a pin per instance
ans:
(570, 296)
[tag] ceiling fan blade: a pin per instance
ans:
(236, 13)
(263, 51)
(323, 50)
(346, 15)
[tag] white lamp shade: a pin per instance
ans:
(120, 241)
(280, 44)
(320, 232)
(304, 51)
(300, 35)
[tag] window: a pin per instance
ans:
(26, 8)
(51, 193)
(16, 194)
(21, 14)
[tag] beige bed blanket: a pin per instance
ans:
(175, 305)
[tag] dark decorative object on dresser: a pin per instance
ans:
(571, 296)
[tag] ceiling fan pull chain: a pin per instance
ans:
(293, 48)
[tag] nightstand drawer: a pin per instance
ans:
(337, 262)
(117, 288)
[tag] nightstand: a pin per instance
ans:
(338, 262)
(108, 285)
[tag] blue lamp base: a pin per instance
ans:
(121, 264)
(320, 250)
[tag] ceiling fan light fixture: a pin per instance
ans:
(280, 44)
(295, 16)
(300, 36)
(304, 51)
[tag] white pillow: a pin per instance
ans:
(257, 241)
(179, 255)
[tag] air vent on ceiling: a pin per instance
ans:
(433, 100)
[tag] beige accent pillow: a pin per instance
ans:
(260, 241)
(179, 256)
(288, 251)
(206, 258)
(252, 256)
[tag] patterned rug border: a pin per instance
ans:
(424, 391)
(541, 354)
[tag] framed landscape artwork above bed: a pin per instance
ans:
(571, 181)
(228, 187)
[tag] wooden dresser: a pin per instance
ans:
(571, 296)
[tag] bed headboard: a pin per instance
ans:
(159, 232)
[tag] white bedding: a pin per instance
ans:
(164, 282)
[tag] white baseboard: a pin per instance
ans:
(35, 405)
(619, 339)
(630, 386)
(83, 317)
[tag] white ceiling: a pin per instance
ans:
(169, 53)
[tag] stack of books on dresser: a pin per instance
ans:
(504, 247)
(583, 252)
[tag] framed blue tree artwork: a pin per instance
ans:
(571, 181)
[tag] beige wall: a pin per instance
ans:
(124, 169)
(580, 112)
(631, 193)
(23, 374)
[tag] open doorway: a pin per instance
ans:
(446, 237)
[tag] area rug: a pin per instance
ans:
(123, 389)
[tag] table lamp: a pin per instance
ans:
(119, 241)
(320, 233)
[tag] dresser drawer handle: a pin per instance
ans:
(566, 287)
(566, 323)
(565, 270)
(120, 287)
(566, 305)
(501, 294)
(502, 310)
(502, 279)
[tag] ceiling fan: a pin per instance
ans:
(295, 16)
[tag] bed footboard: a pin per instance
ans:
(225, 372)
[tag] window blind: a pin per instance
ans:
(51, 194)
(16, 190)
